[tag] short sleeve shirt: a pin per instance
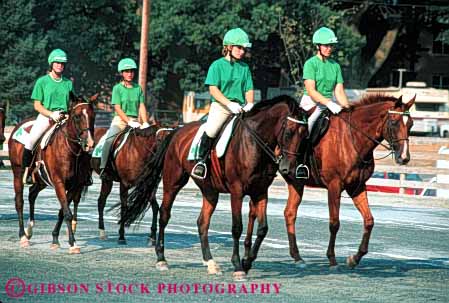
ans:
(129, 98)
(53, 94)
(233, 79)
(326, 75)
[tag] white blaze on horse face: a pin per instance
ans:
(90, 140)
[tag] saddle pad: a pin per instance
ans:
(222, 143)
(21, 135)
(98, 150)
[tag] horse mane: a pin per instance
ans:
(266, 104)
(146, 132)
(374, 98)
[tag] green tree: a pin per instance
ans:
(22, 42)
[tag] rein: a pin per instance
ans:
(262, 144)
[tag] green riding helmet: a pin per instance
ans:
(57, 55)
(236, 36)
(125, 64)
(324, 35)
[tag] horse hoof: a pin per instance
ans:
(334, 268)
(300, 263)
(74, 250)
(351, 262)
(162, 266)
(239, 276)
(121, 242)
(29, 230)
(103, 235)
(24, 242)
(212, 267)
(54, 246)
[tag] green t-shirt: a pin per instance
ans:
(326, 75)
(128, 98)
(53, 95)
(233, 79)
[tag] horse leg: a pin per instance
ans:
(106, 187)
(333, 196)
(262, 230)
(61, 194)
(18, 189)
(171, 189)
(203, 222)
(76, 201)
(35, 189)
(123, 206)
(252, 215)
(361, 203)
(237, 228)
(290, 214)
(55, 234)
(155, 210)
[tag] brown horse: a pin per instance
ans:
(344, 161)
(2, 130)
(125, 167)
(64, 160)
(248, 168)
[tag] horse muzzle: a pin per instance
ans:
(284, 166)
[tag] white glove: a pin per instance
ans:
(133, 124)
(56, 115)
(334, 107)
(235, 108)
(248, 107)
(145, 125)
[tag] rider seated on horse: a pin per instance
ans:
(322, 78)
(129, 106)
(230, 85)
(51, 95)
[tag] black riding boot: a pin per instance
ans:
(200, 169)
(302, 171)
(27, 157)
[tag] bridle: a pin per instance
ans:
(390, 140)
(78, 140)
(265, 147)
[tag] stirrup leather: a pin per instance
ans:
(302, 172)
(200, 165)
(27, 178)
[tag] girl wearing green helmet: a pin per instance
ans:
(129, 106)
(231, 86)
(51, 98)
(322, 79)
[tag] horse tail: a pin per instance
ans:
(143, 194)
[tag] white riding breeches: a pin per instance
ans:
(41, 124)
(218, 114)
(307, 103)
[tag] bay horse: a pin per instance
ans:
(248, 168)
(2, 129)
(64, 159)
(345, 161)
(124, 168)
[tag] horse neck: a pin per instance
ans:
(367, 122)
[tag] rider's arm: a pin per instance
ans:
(249, 96)
(41, 109)
(314, 94)
(143, 113)
(340, 95)
(121, 113)
(218, 95)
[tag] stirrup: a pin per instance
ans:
(203, 170)
(302, 172)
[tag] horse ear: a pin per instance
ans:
(399, 102)
(72, 97)
(410, 102)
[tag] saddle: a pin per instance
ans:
(220, 143)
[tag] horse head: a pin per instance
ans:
(397, 129)
(290, 127)
(81, 121)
